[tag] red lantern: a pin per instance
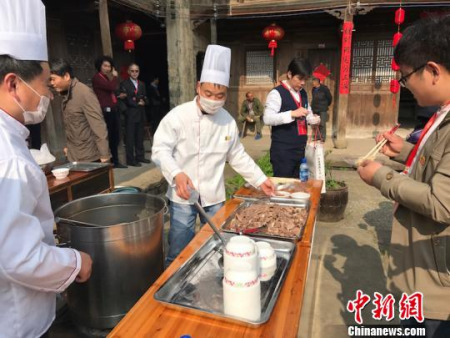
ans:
(273, 33)
(395, 86)
(399, 16)
(395, 67)
(128, 32)
(396, 38)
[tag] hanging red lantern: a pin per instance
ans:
(396, 38)
(273, 33)
(395, 86)
(399, 16)
(395, 67)
(128, 32)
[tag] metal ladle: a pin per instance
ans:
(193, 198)
(74, 222)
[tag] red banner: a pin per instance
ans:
(346, 55)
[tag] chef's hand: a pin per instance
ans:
(182, 182)
(268, 187)
(86, 268)
(393, 145)
(299, 112)
(367, 170)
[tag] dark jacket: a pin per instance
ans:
(287, 135)
(321, 99)
(134, 111)
(154, 96)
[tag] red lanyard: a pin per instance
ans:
(113, 96)
(297, 102)
(413, 153)
(427, 127)
(136, 87)
(301, 123)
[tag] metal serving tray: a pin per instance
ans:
(197, 285)
(287, 202)
(83, 166)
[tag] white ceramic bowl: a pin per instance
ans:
(302, 196)
(60, 173)
(240, 274)
(241, 245)
(240, 249)
(242, 292)
(267, 256)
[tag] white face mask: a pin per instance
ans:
(210, 106)
(37, 116)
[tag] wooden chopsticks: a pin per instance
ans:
(372, 154)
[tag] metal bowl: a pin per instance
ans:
(47, 167)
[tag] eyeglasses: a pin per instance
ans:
(134, 71)
(403, 79)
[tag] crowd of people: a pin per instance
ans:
(92, 118)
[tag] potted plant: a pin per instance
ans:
(334, 201)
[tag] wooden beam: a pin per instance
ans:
(340, 140)
(104, 27)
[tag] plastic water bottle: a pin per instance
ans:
(304, 170)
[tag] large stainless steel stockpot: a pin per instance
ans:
(126, 247)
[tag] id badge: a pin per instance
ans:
(301, 127)
(108, 109)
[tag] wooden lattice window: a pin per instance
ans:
(371, 61)
(259, 66)
(362, 61)
(383, 70)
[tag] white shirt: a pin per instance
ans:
(32, 269)
(439, 118)
(199, 145)
(135, 82)
(272, 115)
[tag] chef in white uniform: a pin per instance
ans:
(192, 144)
(32, 268)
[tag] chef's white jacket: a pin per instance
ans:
(199, 145)
(32, 269)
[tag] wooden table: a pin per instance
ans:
(149, 318)
(79, 184)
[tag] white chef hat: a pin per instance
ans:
(216, 66)
(23, 30)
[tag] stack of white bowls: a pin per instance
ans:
(267, 261)
(241, 284)
(246, 264)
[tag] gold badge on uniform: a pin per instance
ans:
(227, 138)
(422, 160)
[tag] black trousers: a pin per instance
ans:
(156, 116)
(112, 119)
(134, 134)
(286, 160)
